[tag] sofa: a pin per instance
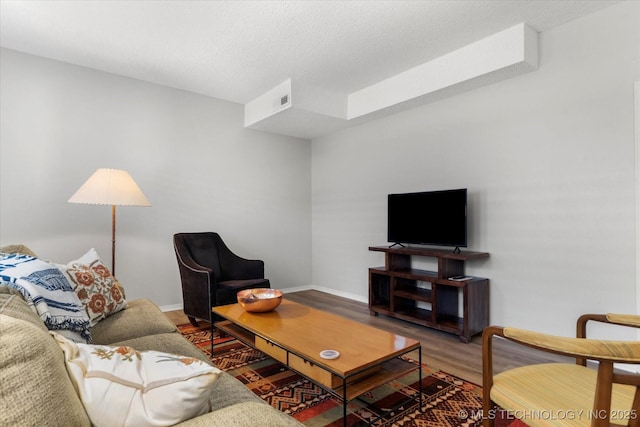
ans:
(37, 388)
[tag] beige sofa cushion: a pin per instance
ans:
(17, 249)
(36, 389)
(242, 415)
(139, 319)
(12, 304)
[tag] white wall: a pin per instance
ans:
(191, 156)
(548, 159)
(637, 130)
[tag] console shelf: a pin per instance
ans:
(430, 298)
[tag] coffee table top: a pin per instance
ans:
(306, 331)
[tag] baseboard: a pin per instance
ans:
(172, 307)
(337, 293)
(347, 295)
(298, 289)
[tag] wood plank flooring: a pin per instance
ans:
(439, 349)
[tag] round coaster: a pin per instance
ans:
(329, 354)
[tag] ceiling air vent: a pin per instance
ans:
(284, 100)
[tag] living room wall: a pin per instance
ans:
(190, 154)
(548, 159)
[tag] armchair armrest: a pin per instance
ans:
(609, 350)
(630, 320)
(186, 261)
(196, 287)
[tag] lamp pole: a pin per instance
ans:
(113, 240)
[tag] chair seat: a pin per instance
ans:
(228, 289)
(545, 395)
(239, 285)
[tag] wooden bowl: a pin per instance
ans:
(259, 300)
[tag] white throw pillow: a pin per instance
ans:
(120, 386)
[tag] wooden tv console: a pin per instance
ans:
(400, 291)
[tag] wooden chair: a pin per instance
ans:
(566, 394)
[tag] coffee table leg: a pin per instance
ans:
(212, 329)
(344, 402)
(420, 378)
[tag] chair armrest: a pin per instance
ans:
(604, 350)
(197, 282)
(186, 261)
(630, 320)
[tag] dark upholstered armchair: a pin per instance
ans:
(211, 274)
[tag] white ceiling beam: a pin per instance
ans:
(510, 48)
(287, 106)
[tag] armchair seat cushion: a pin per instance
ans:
(227, 290)
(550, 391)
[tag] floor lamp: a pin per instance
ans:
(113, 187)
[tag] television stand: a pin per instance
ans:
(397, 244)
(399, 291)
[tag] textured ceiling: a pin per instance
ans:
(236, 50)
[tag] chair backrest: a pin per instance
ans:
(203, 248)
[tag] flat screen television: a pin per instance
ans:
(437, 218)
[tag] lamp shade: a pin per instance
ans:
(110, 187)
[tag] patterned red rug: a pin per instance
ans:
(447, 400)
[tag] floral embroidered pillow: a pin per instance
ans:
(100, 293)
(120, 386)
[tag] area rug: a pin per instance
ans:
(447, 400)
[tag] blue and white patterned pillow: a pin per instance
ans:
(47, 291)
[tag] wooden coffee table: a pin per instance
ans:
(295, 334)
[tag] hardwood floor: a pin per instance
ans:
(440, 350)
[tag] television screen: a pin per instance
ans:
(429, 218)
